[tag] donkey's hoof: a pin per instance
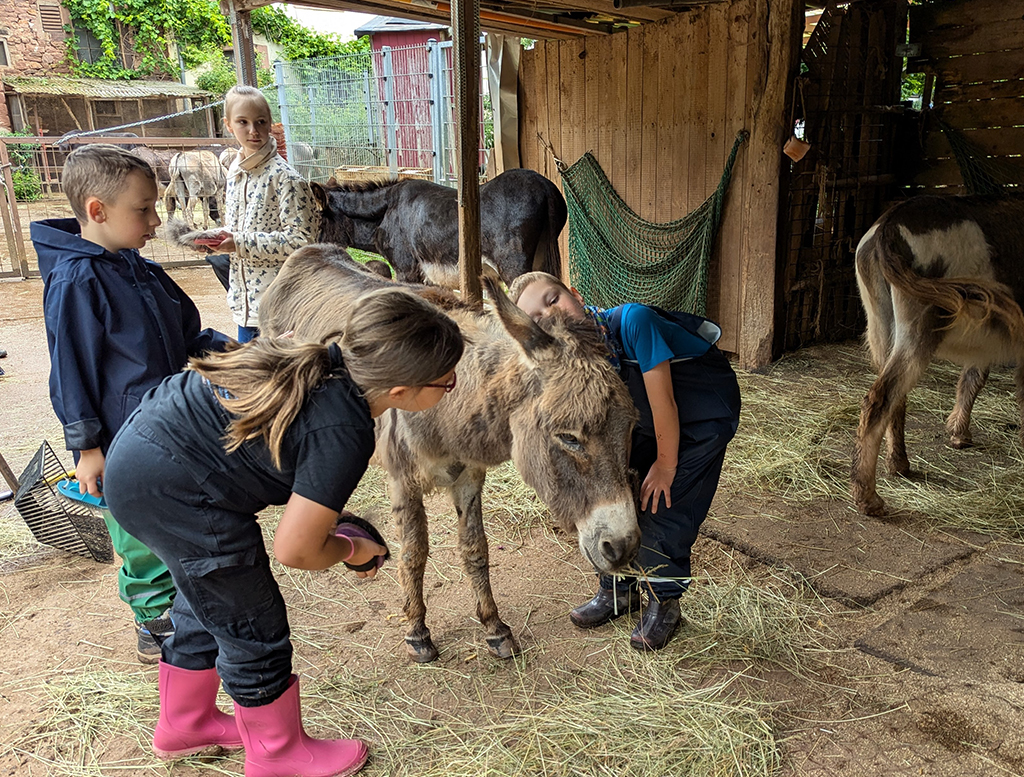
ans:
(503, 646)
(420, 650)
(961, 441)
(875, 506)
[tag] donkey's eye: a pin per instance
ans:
(571, 442)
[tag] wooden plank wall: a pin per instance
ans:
(659, 106)
(974, 50)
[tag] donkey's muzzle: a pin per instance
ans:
(610, 537)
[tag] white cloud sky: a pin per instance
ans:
(321, 20)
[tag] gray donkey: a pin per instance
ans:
(546, 398)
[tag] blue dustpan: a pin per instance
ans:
(68, 487)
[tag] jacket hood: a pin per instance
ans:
(60, 240)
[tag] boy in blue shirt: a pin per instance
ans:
(116, 325)
(689, 403)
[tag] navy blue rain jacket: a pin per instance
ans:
(116, 326)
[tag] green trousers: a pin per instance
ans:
(144, 582)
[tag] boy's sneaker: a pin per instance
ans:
(151, 635)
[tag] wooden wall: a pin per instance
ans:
(659, 106)
(973, 50)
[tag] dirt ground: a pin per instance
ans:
(914, 665)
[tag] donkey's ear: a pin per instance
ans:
(319, 195)
(520, 326)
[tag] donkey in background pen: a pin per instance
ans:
(938, 277)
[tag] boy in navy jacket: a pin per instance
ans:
(689, 404)
(116, 325)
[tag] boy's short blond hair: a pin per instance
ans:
(249, 95)
(99, 170)
(515, 291)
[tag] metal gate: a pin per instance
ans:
(388, 112)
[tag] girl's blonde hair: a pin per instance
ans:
(244, 94)
(390, 338)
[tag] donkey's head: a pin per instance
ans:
(571, 432)
(351, 212)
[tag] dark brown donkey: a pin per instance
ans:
(938, 277)
(546, 398)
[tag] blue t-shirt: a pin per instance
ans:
(649, 339)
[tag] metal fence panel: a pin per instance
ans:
(34, 172)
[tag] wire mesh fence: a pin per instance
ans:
(389, 111)
(190, 184)
(385, 113)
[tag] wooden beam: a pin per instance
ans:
(466, 63)
(241, 35)
(776, 28)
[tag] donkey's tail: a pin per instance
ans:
(557, 215)
(969, 301)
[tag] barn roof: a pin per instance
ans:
(526, 18)
(65, 86)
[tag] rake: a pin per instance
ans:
(56, 520)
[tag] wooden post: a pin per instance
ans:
(12, 224)
(8, 475)
(774, 45)
(245, 54)
(466, 61)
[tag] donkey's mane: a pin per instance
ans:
(582, 331)
(359, 186)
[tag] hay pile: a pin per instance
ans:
(684, 711)
(798, 427)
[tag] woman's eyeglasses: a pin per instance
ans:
(448, 387)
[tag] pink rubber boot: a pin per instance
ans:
(190, 722)
(276, 745)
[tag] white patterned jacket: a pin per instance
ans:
(271, 212)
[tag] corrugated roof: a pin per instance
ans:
(100, 88)
(394, 24)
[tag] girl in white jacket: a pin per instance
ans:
(270, 209)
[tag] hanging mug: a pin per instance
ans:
(796, 149)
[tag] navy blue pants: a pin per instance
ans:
(708, 397)
(229, 612)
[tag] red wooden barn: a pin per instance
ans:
(404, 42)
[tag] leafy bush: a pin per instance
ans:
(27, 183)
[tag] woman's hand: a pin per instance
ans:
(658, 483)
(305, 539)
(89, 471)
(364, 550)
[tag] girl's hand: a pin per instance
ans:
(364, 550)
(89, 471)
(227, 246)
(658, 483)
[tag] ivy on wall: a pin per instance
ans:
(199, 28)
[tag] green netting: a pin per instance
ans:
(615, 256)
(981, 173)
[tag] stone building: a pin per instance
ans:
(38, 93)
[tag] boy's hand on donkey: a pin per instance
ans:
(89, 471)
(658, 483)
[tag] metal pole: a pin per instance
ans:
(466, 51)
(436, 102)
(390, 130)
(282, 102)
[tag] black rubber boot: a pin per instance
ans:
(657, 625)
(606, 606)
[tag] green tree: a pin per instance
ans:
(197, 26)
